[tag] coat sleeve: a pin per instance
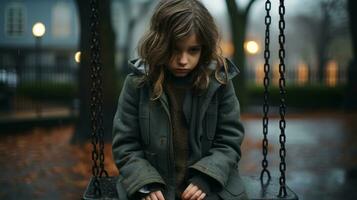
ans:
(225, 153)
(127, 149)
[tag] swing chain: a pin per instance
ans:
(266, 93)
(96, 105)
(282, 107)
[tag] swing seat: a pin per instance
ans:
(255, 190)
(107, 187)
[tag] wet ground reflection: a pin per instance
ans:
(41, 164)
(321, 154)
(321, 159)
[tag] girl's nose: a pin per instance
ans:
(183, 59)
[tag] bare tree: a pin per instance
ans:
(351, 97)
(326, 22)
(107, 38)
(352, 6)
(238, 20)
(143, 9)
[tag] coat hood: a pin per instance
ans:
(137, 66)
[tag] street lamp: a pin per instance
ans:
(77, 57)
(252, 47)
(38, 30)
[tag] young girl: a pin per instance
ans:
(177, 133)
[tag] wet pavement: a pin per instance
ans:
(321, 158)
(321, 154)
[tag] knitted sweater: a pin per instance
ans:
(176, 88)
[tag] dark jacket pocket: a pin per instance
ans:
(211, 121)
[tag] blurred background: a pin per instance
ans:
(45, 150)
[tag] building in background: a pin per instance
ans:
(58, 44)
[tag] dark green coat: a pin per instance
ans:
(142, 140)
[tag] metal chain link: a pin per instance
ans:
(266, 93)
(282, 108)
(96, 102)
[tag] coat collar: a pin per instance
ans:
(138, 67)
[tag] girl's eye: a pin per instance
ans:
(195, 50)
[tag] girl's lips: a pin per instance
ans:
(182, 70)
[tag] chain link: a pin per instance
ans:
(282, 107)
(266, 93)
(96, 101)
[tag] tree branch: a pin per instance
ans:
(232, 7)
(249, 6)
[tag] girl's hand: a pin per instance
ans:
(157, 195)
(192, 192)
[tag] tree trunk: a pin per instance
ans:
(321, 60)
(133, 20)
(238, 21)
(110, 89)
(352, 6)
(351, 89)
(83, 129)
(106, 34)
(128, 41)
(323, 40)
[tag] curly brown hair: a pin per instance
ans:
(172, 21)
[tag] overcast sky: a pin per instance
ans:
(218, 6)
(219, 10)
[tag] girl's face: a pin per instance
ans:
(185, 57)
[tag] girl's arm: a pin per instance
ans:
(135, 170)
(225, 153)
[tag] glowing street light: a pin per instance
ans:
(38, 29)
(252, 47)
(77, 57)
